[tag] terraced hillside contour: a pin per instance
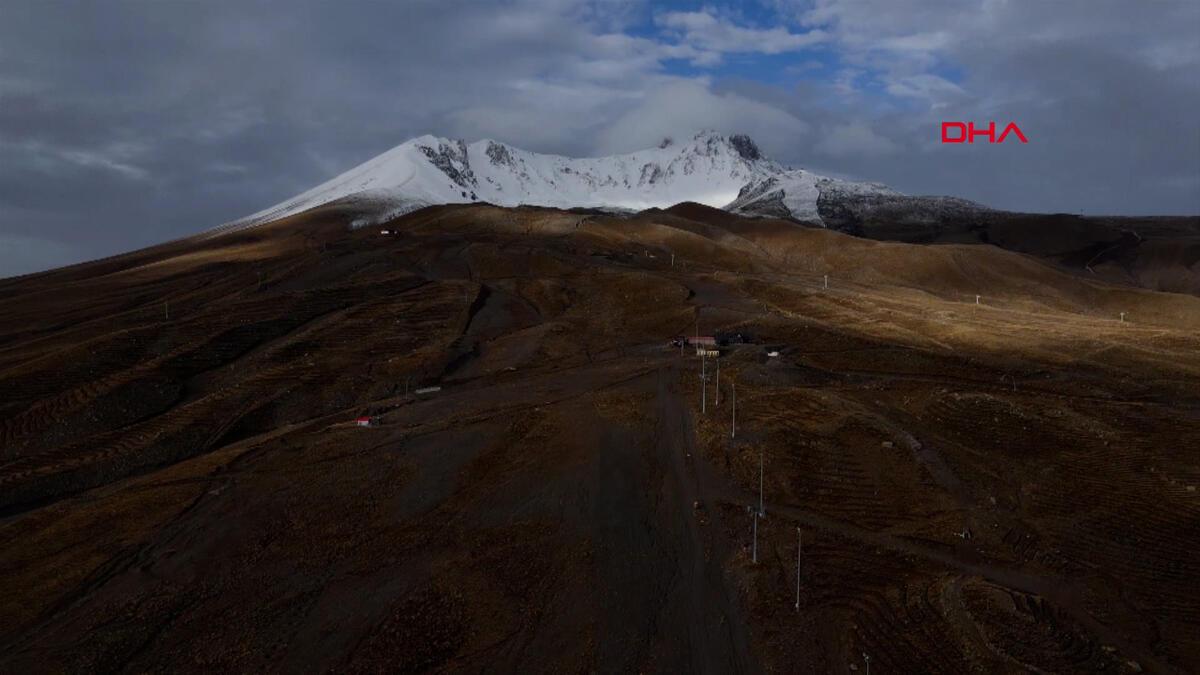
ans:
(1001, 484)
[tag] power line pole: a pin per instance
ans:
(754, 550)
(703, 386)
(717, 389)
(760, 482)
(799, 552)
(759, 513)
(826, 281)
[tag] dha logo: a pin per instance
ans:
(967, 132)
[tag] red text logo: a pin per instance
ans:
(967, 132)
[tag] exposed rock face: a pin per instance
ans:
(863, 213)
(452, 160)
(499, 154)
(745, 147)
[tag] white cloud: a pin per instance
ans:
(854, 139)
(115, 157)
(96, 160)
(706, 32)
(923, 86)
(683, 106)
(918, 42)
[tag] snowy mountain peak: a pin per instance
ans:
(710, 168)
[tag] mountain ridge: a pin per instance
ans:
(713, 169)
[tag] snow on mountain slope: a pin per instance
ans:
(712, 169)
(795, 194)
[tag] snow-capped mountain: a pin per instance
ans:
(709, 168)
(797, 194)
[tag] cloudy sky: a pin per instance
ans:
(124, 124)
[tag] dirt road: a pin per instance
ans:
(712, 630)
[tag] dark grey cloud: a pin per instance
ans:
(123, 124)
(1103, 89)
(127, 123)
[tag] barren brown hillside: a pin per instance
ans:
(990, 469)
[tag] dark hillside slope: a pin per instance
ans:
(989, 483)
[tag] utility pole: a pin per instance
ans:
(733, 429)
(977, 298)
(799, 552)
(826, 281)
(761, 512)
(1122, 317)
(867, 659)
(754, 549)
(703, 387)
(717, 394)
(672, 261)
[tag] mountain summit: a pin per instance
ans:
(710, 168)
